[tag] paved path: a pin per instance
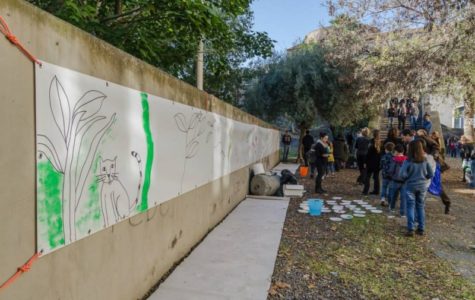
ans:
(235, 261)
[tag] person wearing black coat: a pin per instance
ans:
(307, 143)
(361, 146)
(372, 163)
(340, 152)
(321, 155)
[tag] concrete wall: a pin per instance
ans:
(445, 106)
(124, 261)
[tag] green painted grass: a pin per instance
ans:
(49, 204)
(91, 216)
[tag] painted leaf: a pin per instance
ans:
(180, 121)
(91, 152)
(84, 133)
(195, 118)
(90, 103)
(89, 123)
(59, 104)
(45, 147)
(192, 149)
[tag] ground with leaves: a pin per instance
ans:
(370, 258)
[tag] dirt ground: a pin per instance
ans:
(452, 235)
(370, 258)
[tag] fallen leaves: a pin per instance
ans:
(278, 285)
(363, 259)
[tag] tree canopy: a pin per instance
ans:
(412, 47)
(166, 34)
(302, 85)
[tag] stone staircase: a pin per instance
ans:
(383, 126)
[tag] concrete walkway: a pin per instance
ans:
(235, 261)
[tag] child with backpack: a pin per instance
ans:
(416, 173)
(385, 166)
(396, 182)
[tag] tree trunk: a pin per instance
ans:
(118, 7)
(468, 120)
(300, 148)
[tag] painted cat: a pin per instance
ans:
(115, 201)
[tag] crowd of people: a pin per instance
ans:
(324, 157)
(410, 163)
(407, 109)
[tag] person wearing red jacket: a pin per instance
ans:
(396, 186)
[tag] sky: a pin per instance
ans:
(287, 21)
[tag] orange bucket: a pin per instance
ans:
(303, 171)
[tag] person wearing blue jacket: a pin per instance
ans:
(416, 174)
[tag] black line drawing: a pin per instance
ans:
(80, 128)
(193, 129)
(115, 201)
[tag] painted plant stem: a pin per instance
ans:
(191, 128)
(150, 148)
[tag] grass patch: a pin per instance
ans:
(375, 256)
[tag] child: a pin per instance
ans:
(416, 173)
(385, 165)
(331, 161)
(396, 182)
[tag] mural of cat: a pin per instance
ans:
(115, 201)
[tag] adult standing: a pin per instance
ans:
(468, 157)
(350, 141)
(340, 152)
(436, 137)
(394, 102)
(393, 137)
(391, 115)
(286, 141)
(361, 146)
(401, 116)
(321, 154)
(427, 123)
(433, 148)
(414, 114)
(307, 143)
(372, 164)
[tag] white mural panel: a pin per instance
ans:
(107, 152)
